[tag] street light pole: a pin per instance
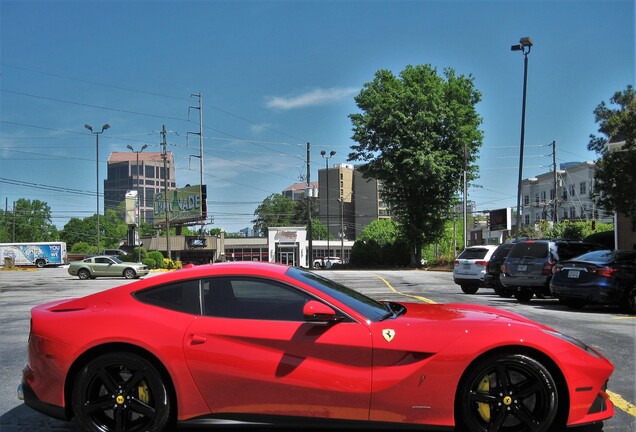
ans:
(323, 153)
(525, 44)
(137, 209)
(106, 126)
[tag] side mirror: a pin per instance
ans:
(316, 312)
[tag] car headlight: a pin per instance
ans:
(575, 342)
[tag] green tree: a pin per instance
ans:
(319, 231)
(30, 221)
(615, 175)
(275, 210)
(382, 231)
(415, 134)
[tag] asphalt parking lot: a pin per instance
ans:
(612, 332)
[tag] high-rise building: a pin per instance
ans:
(123, 175)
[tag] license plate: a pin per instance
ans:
(467, 266)
(574, 274)
(522, 267)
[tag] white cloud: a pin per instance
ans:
(311, 98)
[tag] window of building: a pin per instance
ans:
(526, 219)
(536, 198)
(582, 188)
(572, 212)
(543, 195)
(572, 190)
(526, 199)
(150, 172)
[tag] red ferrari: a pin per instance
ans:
(267, 343)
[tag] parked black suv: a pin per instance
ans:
(528, 267)
(493, 270)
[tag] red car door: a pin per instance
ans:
(253, 353)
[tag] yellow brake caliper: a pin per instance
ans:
(144, 394)
(483, 408)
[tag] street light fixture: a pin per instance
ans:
(525, 44)
(323, 153)
(138, 196)
(89, 127)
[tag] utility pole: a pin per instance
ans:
(308, 194)
(555, 208)
(200, 133)
(465, 197)
(164, 156)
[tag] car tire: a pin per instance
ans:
(40, 263)
(121, 391)
(83, 274)
(470, 289)
(505, 393)
(524, 295)
(503, 292)
(130, 273)
(628, 304)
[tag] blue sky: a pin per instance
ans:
(277, 74)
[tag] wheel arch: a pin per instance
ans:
(95, 352)
(545, 360)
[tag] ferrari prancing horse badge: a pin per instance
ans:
(388, 334)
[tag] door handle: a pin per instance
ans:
(197, 340)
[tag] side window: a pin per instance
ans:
(103, 261)
(181, 297)
(252, 298)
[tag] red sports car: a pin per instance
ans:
(268, 343)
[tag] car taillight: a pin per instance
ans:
(605, 271)
(481, 263)
(456, 262)
(547, 268)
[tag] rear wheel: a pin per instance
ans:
(524, 295)
(507, 393)
(470, 289)
(40, 263)
(121, 392)
(83, 274)
(628, 303)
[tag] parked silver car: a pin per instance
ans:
(103, 265)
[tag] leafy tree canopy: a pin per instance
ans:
(275, 210)
(28, 221)
(615, 175)
(382, 231)
(416, 132)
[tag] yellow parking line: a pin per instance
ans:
(624, 317)
(616, 399)
(424, 299)
(622, 404)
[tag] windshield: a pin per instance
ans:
(371, 309)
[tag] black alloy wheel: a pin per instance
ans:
(508, 393)
(120, 392)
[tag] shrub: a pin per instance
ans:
(150, 263)
(157, 257)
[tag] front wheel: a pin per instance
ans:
(40, 263)
(121, 392)
(129, 273)
(470, 289)
(507, 393)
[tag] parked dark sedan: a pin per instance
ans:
(599, 277)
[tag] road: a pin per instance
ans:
(608, 330)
